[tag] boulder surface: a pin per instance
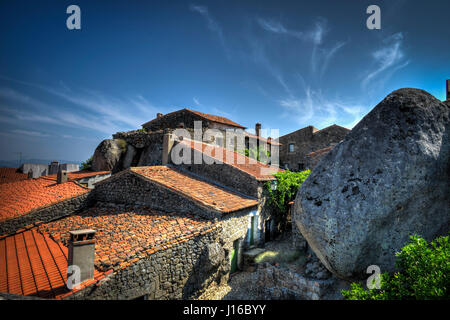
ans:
(387, 180)
(107, 155)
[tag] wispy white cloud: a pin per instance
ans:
(389, 58)
(314, 107)
(31, 133)
(94, 110)
(211, 23)
(321, 55)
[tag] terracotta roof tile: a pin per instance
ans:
(33, 264)
(203, 192)
(320, 151)
(125, 235)
(10, 175)
(256, 169)
(218, 119)
(21, 197)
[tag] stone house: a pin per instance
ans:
(144, 148)
(127, 253)
(296, 145)
(155, 232)
(232, 170)
(25, 202)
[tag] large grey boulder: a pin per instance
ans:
(388, 179)
(108, 154)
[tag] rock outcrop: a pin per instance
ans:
(388, 179)
(108, 154)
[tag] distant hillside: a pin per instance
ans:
(15, 163)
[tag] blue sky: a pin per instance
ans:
(286, 64)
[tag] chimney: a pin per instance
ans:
(54, 167)
(82, 252)
(167, 147)
(258, 129)
(448, 89)
(159, 115)
(61, 177)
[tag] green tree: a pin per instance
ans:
(86, 165)
(423, 274)
(287, 185)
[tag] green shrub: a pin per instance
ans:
(423, 274)
(86, 165)
(288, 184)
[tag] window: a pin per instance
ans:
(301, 166)
(291, 147)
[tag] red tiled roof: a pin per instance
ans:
(218, 119)
(21, 197)
(256, 169)
(268, 141)
(10, 175)
(125, 236)
(32, 264)
(320, 151)
(205, 193)
(207, 116)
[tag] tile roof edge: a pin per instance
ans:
(48, 205)
(185, 195)
(211, 181)
(256, 162)
(197, 113)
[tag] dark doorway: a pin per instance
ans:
(234, 256)
(267, 230)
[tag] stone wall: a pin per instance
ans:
(49, 213)
(305, 141)
(277, 283)
(298, 241)
(180, 272)
(130, 189)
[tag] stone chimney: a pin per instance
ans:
(159, 115)
(258, 129)
(167, 147)
(448, 89)
(54, 167)
(61, 177)
(82, 252)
